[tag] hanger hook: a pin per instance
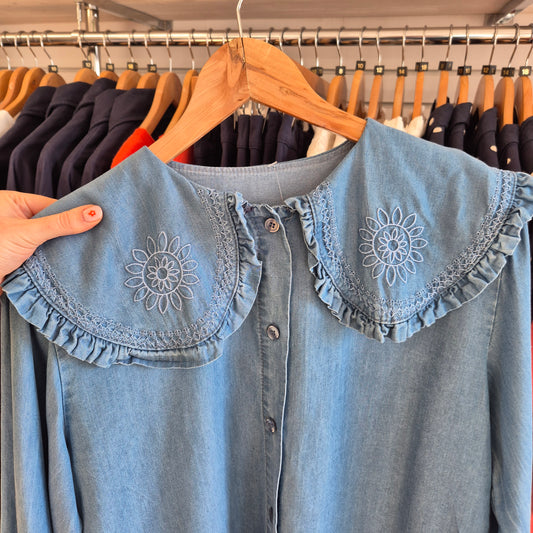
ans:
(316, 46)
(422, 53)
(81, 46)
(450, 39)
(378, 45)
(4, 50)
(44, 48)
(191, 38)
(494, 41)
(16, 43)
(30, 49)
(467, 32)
(517, 42)
(130, 37)
(167, 45)
(239, 23)
(208, 39)
(146, 47)
(530, 48)
(105, 38)
(281, 40)
(339, 46)
(302, 29)
(361, 43)
(269, 38)
(404, 39)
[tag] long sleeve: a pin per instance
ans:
(36, 480)
(509, 380)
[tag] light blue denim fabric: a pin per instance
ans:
(340, 346)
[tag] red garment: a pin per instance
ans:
(139, 138)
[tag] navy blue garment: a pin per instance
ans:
(208, 150)
(270, 141)
(58, 148)
(23, 161)
(526, 145)
(255, 139)
(484, 140)
(243, 134)
(438, 122)
(459, 124)
(127, 114)
(72, 169)
(228, 141)
(31, 116)
(288, 142)
(305, 140)
(508, 148)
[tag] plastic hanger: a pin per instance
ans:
(377, 86)
(401, 73)
(357, 89)
(247, 69)
(337, 86)
(504, 94)
(5, 74)
(484, 98)
(464, 74)
(421, 68)
(51, 78)
(168, 91)
(109, 71)
(15, 80)
(523, 89)
(444, 67)
(130, 77)
(186, 90)
(151, 78)
(86, 73)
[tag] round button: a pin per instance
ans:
(273, 332)
(272, 225)
(270, 425)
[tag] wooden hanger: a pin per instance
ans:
(504, 94)
(524, 94)
(51, 78)
(148, 81)
(5, 76)
(189, 82)
(247, 69)
(86, 73)
(444, 67)
(15, 84)
(484, 98)
(167, 92)
(109, 72)
(337, 87)
(30, 82)
(421, 68)
(376, 91)
(128, 80)
(399, 89)
(357, 89)
(464, 75)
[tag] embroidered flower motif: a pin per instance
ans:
(163, 274)
(391, 245)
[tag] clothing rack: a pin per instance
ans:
(287, 37)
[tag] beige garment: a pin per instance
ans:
(6, 121)
(416, 127)
(323, 140)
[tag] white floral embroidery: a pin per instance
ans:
(162, 274)
(391, 245)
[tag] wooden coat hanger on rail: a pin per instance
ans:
(464, 73)
(444, 67)
(337, 87)
(421, 68)
(248, 69)
(357, 89)
(399, 89)
(484, 98)
(504, 94)
(376, 91)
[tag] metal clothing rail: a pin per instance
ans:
(285, 37)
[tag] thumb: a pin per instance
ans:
(70, 222)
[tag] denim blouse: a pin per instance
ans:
(334, 344)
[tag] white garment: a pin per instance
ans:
(6, 121)
(416, 127)
(323, 140)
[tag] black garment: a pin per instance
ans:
(270, 141)
(228, 141)
(508, 148)
(32, 115)
(127, 114)
(485, 147)
(243, 135)
(72, 169)
(255, 140)
(458, 126)
(526, 145)
(305, 139)
(293, 140)
(23, 161)
(438, 122)
(58, 148)
(207, 151)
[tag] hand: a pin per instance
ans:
(20, 236)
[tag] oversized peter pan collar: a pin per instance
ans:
(398, 233)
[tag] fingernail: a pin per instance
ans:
(92, 213)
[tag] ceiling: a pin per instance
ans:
(59, 11)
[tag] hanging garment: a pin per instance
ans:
(228, 142)
(416, 127)
(23, 160)
(31, 116)
(128, 112)
(438, 122)
(270, 143)
(323, 140)
(293, 140)
(243, 136)
(526, 145)
(72, 169)
(459, 125)
(6, 121)
(57, 149)
(255, 140)
(484, 137)
(353, 356)
(508, 147)
(207, 151)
